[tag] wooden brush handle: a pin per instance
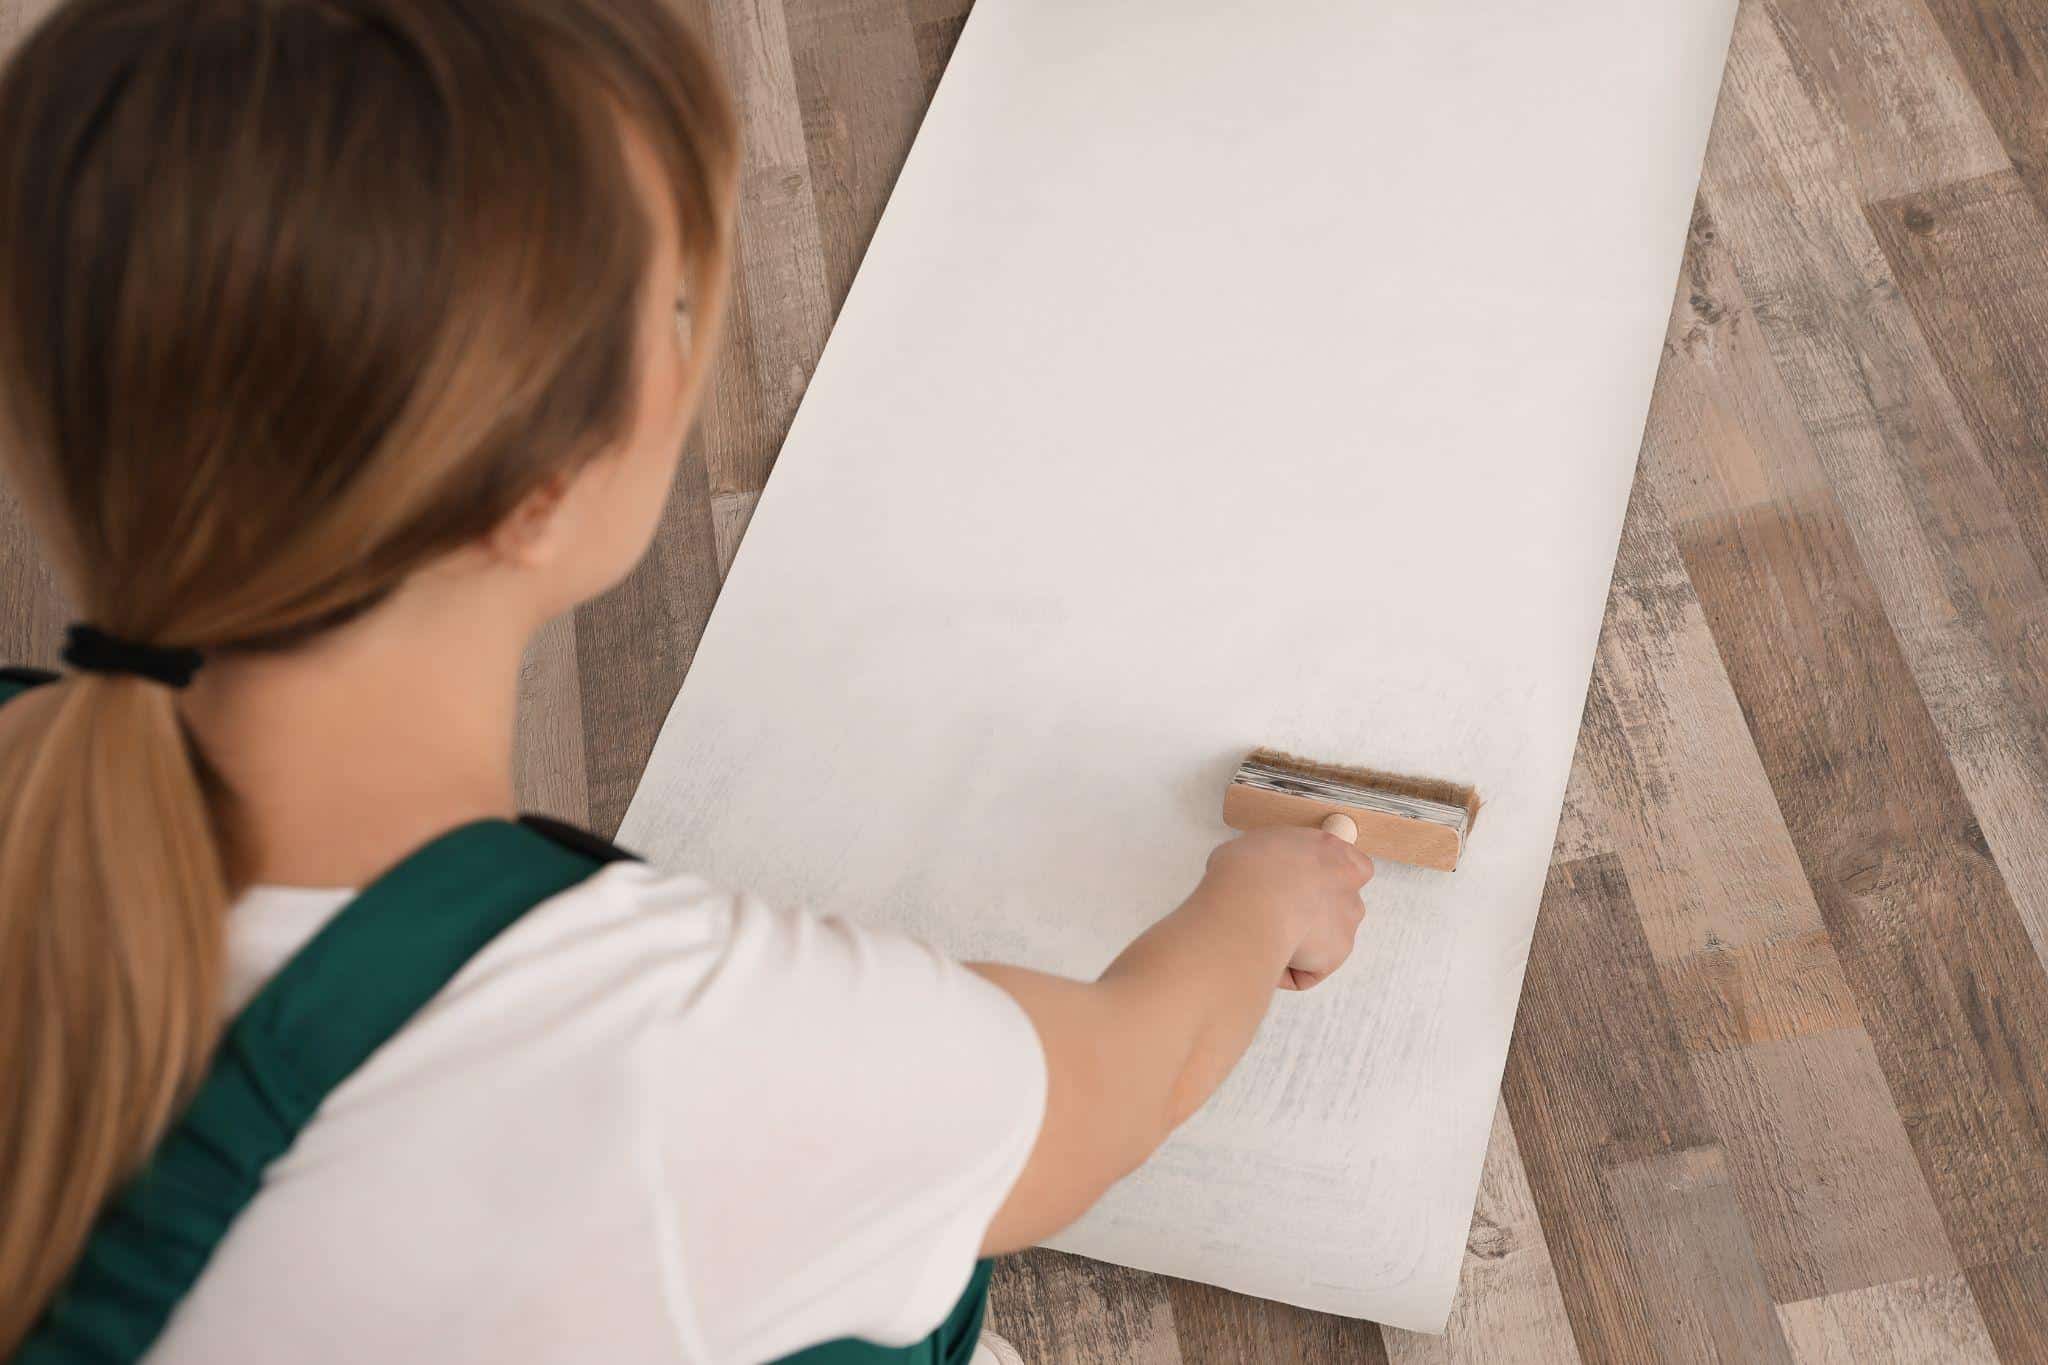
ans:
(1382, 835)
(1341, 825)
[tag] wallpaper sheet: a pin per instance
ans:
(1222, 374)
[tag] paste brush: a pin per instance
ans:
(1410, 820)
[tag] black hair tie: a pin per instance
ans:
(91, 650)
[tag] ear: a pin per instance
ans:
(537, 531)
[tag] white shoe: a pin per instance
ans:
(993, 1350)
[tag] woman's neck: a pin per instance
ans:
(349, 752)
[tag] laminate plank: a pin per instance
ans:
(1952, 994)
(1914, 1322)
(937, 24)
(634, 644)
(1972, 261)
(863, 93)
(1064, 1310)
(1902, 112)
(1695, 1259)
(2002, 46)
(1737, 936)
(547, 756)
(1856, 721)
(1796, 268)
(1830, 1188)
(2013, 1298)
(1217, 1327)
(1730, 921)
(17, 17)
(780, 310)
(730, 513)
(1774, 1029)
(1597, 1079)
(1580, 833)
(734, 440)
(32, 626)
(1508, 1305)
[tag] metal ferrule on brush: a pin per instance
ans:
(1266, 777)
(1406, 819)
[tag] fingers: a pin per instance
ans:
(1365, 865)
(1300, 979)
(1359, 864)
(1310, 877)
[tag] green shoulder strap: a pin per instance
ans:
(340, 998)
(951, 1344)
(14, 681)
(354, 985)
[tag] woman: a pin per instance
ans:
(342, 344)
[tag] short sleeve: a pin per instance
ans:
(841, 1113)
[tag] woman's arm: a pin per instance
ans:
(1130, 1055)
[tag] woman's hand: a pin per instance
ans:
(1299, 876)
(1133, 1053)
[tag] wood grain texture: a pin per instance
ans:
(1217, 1327)
(937, 24)
(1913, 1322)
(1828, 1181)
(2013, 1298)
(1581, 831)
(1902, 112)
(2003, 47)
(1692, 1251)
(634, 644)
(780, 312)
(32, 625)
(862, 89)
(730, 513)
(1052, 1306)
(17, 17)
(1627, 1177)
(1952, 570)
(1804, 856)
(1972, 260)
(1836, 615)
(1960, 572)
(547, 758)
(1509, 1307)
(1725, 907)
(1952, 993)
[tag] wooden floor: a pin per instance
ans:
(1779, 1088)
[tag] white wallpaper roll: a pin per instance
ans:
(1223, 374)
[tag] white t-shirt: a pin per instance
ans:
(651, 1121)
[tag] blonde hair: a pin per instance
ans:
(295, 295)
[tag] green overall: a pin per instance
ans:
(375, 964)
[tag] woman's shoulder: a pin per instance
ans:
(645, 941)
(840, 1110)
(627, 927)
(698, 947)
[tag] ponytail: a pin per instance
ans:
(112, 907)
